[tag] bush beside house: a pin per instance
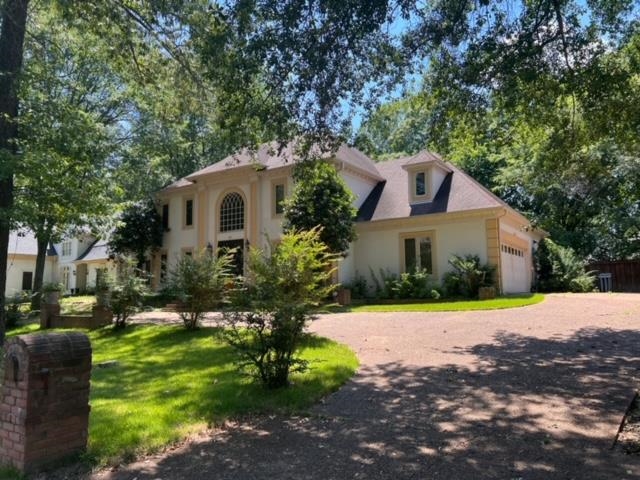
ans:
(267, 320)
(561, 270)
(198, 282)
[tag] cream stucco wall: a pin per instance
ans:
(205, 229)
(347, 266)
(269, 224)
(381, 248)
(261, 222)
(437, 177)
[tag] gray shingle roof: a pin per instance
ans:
(99, 250)
(272, 156)
(390, 199)
(422, 157)
(23, 242)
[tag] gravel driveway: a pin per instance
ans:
(530, 393)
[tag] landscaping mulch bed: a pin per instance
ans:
(628, 440)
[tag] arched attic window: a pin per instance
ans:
(232, 212)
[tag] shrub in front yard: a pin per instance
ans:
(467, 276)
(359, 287)
(414, 285)
(199, 283)
(13, 308)
(126, 294)
(559, 269)
(269, 314)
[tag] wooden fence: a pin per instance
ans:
(625, 274)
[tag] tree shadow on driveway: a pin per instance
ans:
(519, 408)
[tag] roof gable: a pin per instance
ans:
(98, 250)
(24, 242)
(273, 155)
(457, 193)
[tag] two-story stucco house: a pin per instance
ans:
(412, 211)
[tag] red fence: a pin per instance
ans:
(625, 274)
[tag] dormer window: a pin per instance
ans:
(421, 184)
(425, 174)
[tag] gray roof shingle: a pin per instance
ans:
(390, 199)
(23, 242)
(98, 250)
(271, 156)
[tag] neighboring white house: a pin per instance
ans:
(73, 262)
(21, 262)
(417, 210)
(79, 260)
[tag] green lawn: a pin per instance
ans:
(452, 306)
(169, 382)
(77, 305)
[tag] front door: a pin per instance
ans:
(238, 256)
(82, 272)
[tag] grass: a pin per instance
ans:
(82, 304)
(78, 305)
(169, 383)
(511, 301)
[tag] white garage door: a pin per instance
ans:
(515, 273)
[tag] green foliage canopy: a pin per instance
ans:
(139, 231)
(267, 320)
(321, 199)
(561, 270)
(200, 283)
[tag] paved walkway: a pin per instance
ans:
(530, 393)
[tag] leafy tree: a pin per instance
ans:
(200, 283)
(299, 65)
(321, 198)
(127, 293)
(13, 18)
(565, 154)
(269, 316)
(67, 135)
(561, 270)
(139, 231)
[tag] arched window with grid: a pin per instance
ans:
(232, 212)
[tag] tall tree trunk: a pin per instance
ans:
(43, 244)
(14, 19)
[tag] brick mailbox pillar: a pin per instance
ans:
(44, 409)
(48, 312)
